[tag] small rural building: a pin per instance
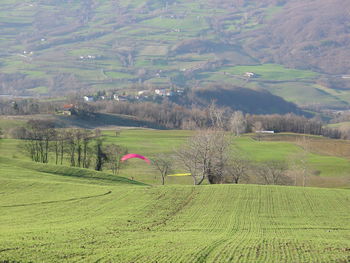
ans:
(120, 98)
(266, 132)
(180, 91)
(249, 74)
(68, 109)
(88, 98)
(142, 92)
(160, 92)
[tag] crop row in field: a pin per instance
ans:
(56, 217)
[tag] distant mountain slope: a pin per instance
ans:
(247, 100)
(308, 34)
(56, 47)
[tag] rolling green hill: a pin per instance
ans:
(58, 217)
(55, 47)
(327, 160)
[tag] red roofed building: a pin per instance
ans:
(68, 109)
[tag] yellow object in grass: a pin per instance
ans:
(185, 174)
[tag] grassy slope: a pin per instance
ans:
(341, 125)
(47, 217)
(99, 120)
(329, 166)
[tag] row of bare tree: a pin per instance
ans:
(211, 154)
(171, 115)
(77, 147)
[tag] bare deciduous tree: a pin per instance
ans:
(71, 146)
(257, 128)
(101, 156)
(205, 155)
(238, 123)
(114, 153)
(39, 135)
(273, 172)
(163, 164)
(299, 161)
(216, 116)
(237, 168)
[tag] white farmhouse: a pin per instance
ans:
(266, 132)
(88, 98)
(160, 92)
(120, 98)
(249, 74)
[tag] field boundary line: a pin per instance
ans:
(178, 209)
(59, 201)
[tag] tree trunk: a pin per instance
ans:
(194, 180)
(201, 180)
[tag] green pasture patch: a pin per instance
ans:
(271, 72)
(119, 75)
(329, 165)
(159, 81)
(265, 151)
(152, 143)
(218, 77)
(272, 11)
(148, 142)
(39, 90)
(47, 217)
(15, 63)
(143, 61)
(12, 148)
(323, 165)
(85, 52)
(176, 23)
(8, 123)
(154, 51)
(35, 73)
(86, 74)
(303, 93)
(345, 124)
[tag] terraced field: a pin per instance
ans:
(56, 216)
(58, 46)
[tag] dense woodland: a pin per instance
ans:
(44, 143)
(170, 115)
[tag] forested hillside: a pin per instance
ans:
(297, 50)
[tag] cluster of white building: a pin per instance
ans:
(87, 57)
(142, 94)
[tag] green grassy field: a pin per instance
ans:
(345, 124)
(326, 169)
(271, 72)
(69, 216)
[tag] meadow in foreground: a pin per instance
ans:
(53, 213)
(69, 215)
